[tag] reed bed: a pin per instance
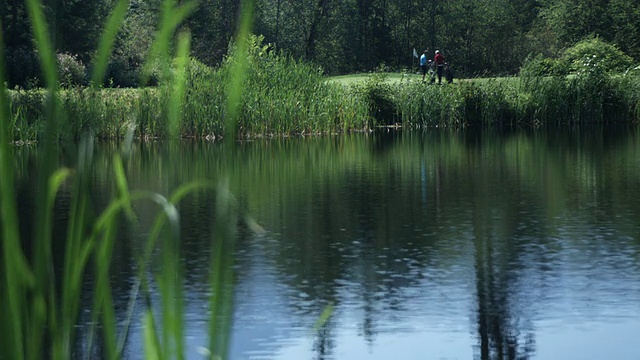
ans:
(580, 99)
(283, 97)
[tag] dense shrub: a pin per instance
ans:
(628, 85)
(593, 93)
(595, 52)
(587, 55)
(71, 70)
(540, 66)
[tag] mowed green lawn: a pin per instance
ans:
(402, 77)
(391, 77)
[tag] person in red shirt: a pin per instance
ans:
(439, 60)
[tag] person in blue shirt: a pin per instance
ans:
(423, 64)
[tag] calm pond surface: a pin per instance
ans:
(429, 245)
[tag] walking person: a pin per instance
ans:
(439, 60)
(423, 64)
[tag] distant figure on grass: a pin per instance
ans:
(423, 64)
(439, 60)
(448, 73)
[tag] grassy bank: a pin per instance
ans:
(286, 97)
(281, 96)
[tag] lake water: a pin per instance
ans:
(427, 245)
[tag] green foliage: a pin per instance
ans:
(22, 68)
(493, 103)
(378, 95)
(205, 96)
(587, 56)
(212, 26)
(284, 98)
(423, 105)
(71, 70)
(542, 66)
(543, 99)
(628, 88)
(75, 26)
(594, 53)
(132, 45)
(589, 96)
(490, 37)
(626, 34)
(107, 41)
(27, 109)
(281, 96)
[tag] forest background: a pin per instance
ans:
(479, 37)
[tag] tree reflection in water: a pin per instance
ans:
(499, 327)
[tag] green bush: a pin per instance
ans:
(71, 70)
(596, 53)
(628, 86)
(589, 55)
(540, 66)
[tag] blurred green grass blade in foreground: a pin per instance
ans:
(40, 312)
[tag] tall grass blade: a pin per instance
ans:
(77, 250)
(221, 274)
(171, 17)
(151, 342)
(43, 43)
(103, 302)
(105, 226)
(179, 84)
(123, 187)
(106, 230)
(43, 267)
(41, 302)
(17, 275)
(106, 42)
(238, 71)
(171, 292)
(170, 282)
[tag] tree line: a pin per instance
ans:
(478, 37)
